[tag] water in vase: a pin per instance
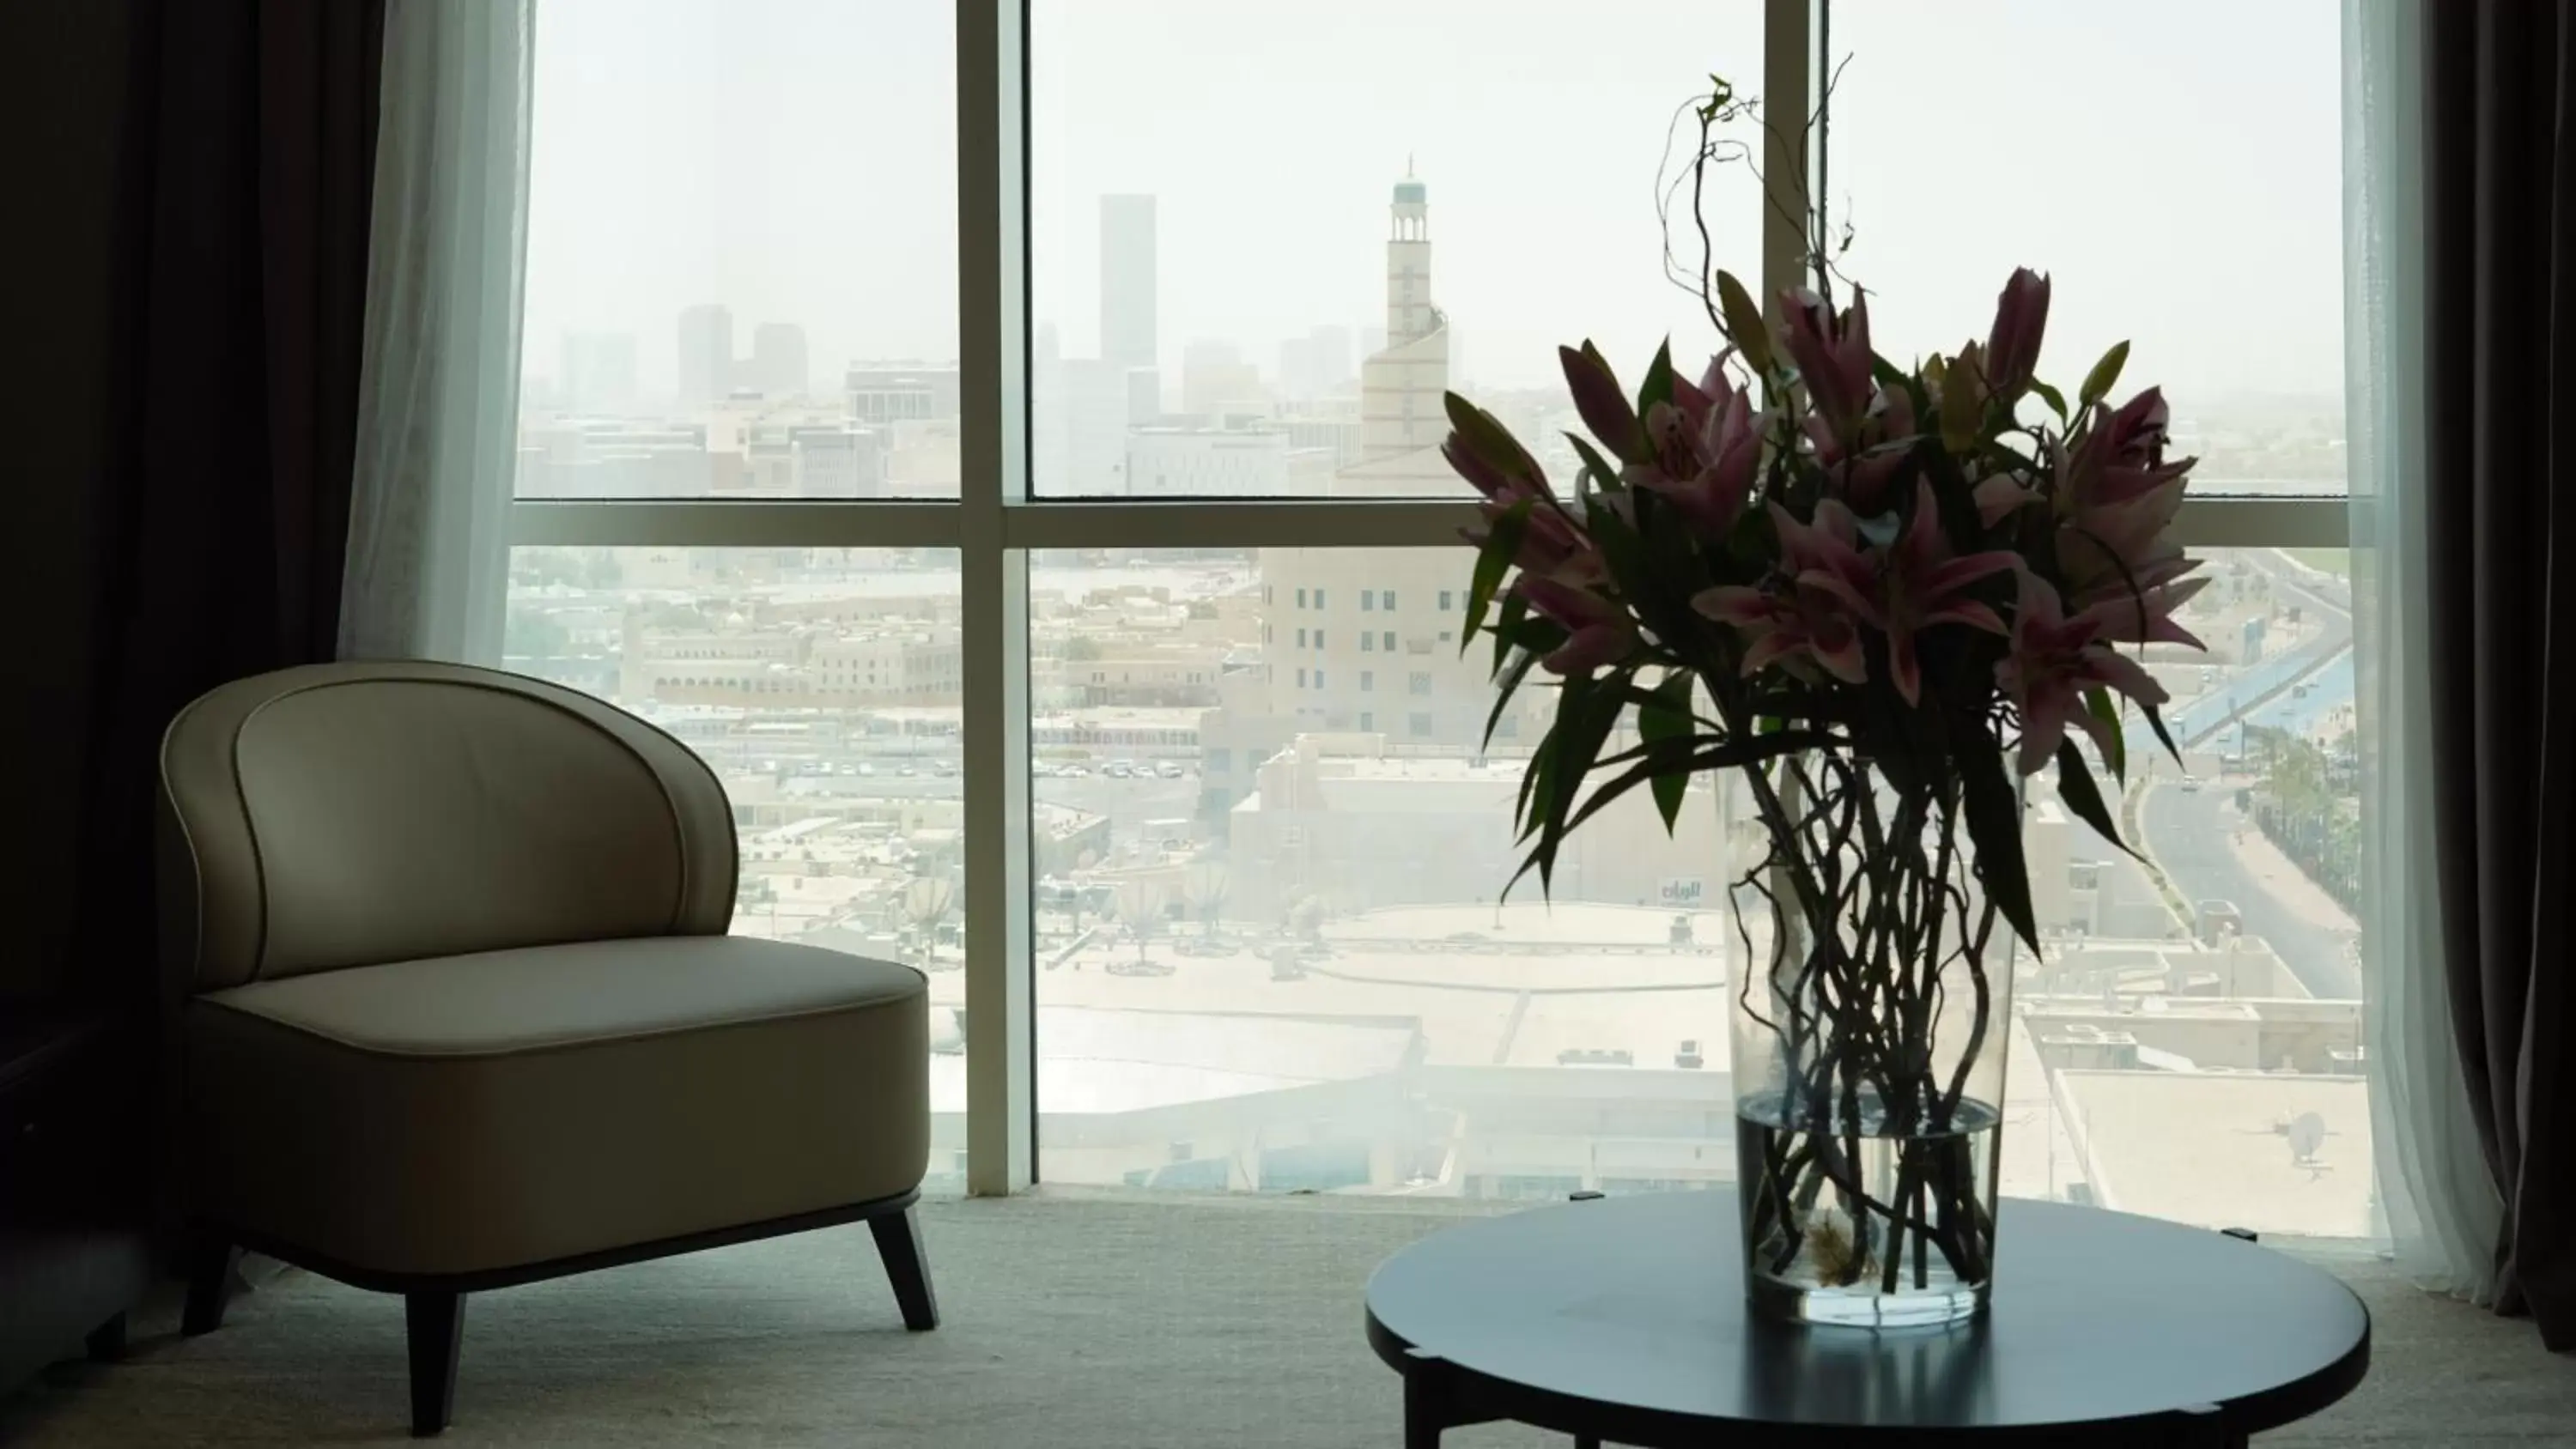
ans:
(1870, 1227)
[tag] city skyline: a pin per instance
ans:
(717, 135)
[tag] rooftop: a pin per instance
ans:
(2215, 1147)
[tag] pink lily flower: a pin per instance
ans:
(2012, 347)
(1597, 397)
(1886, 434)
(1786, 622)
(1597, 631)
(1998, 497)
(1706, 446)
(2120, 456)
(1552, 543)
(1833, 357)
(2123, 547)
(1913, 585)
(2054, 659)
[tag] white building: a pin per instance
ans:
(1223, 457)
(1400, 385)
(836, 461)
(706, 353)
(886, 392)
(1128, 336)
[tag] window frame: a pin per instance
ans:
(997, 520)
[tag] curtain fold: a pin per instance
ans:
(244, 210)
(2438, 1203)
(428, 540)
(2500, 534)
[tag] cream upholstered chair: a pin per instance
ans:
(463, 1014)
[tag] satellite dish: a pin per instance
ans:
(2307, 1133)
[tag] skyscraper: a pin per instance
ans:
(1127, 316)
(706, 353)
(778, 362)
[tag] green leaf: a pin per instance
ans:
(1507, 681)
(1962, 408)
(1658, 386)
(2104, 376)
(2075, 786)
(1993, 812)
(2156, 722)
(2099, 704)
(1502, 545)
(1506, 627)
(1744, 325)
(1595, 466)
(2056, 400)
(1542, 764)
(1682, 759)
(1668, 718)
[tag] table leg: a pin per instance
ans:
(1425, 1411)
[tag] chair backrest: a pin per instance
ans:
(343, 815)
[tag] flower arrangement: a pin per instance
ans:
(1878, 594)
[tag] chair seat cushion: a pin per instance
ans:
(475, 1113)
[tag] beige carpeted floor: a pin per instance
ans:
(1073, 1320)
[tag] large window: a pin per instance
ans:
(2186, 197)
(1101, 561)
(1259, 252)
(822, 686)
(742, 252)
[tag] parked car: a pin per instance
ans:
(1169, 769)
(1118, 769)
(1071, 772)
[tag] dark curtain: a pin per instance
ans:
(222, 517)
(2500, 222)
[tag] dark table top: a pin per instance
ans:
(1628, 1313)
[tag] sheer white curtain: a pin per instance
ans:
(438, 412)
(2438, 1200)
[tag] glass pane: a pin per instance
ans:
(2222, 1080)
(821, 686)
(2183, 193)
(1261, 251)
(1270, 954)
(742, 251)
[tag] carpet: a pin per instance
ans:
(1073, 1321)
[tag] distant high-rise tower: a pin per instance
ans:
(778, 363)
(1401, 383)
(1127, 316)
(706, 353)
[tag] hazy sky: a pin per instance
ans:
(795, 159)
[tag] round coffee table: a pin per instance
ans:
(1623, 1320)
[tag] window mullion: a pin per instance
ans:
(992, 314)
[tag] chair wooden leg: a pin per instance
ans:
(899, 1243)
(436, 1325)
(210, 1269)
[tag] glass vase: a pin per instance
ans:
(1871, 1014)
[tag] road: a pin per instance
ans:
(2188, 834)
